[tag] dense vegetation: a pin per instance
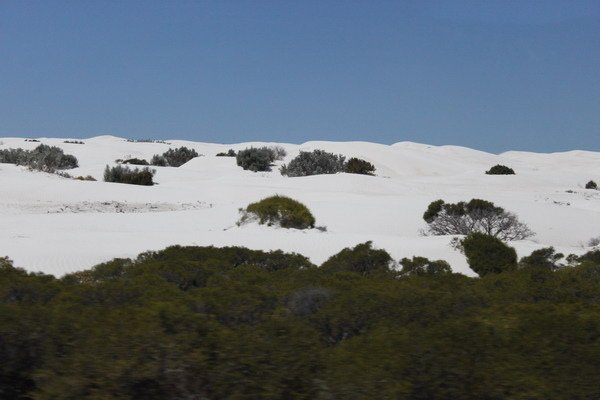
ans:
(500, 170)
(279, 210)
(231, 323)
(136, 176)
(318, 162)
(476, 215)
(174, 157)
(42, 158)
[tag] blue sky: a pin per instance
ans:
(489, 75)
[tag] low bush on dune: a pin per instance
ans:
(591, 185)
(135, 161)
(477, 215)
(315, 162)
(359, 166)
(229, 153)
(42, 158)
(500, 170)
(73, 142)
(259, 159)
(318, 162)
(120, 174)
(174, 157)
(278, 210)
(487, 254)
(235, 323)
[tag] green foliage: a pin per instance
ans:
(230, 153)
(500, 170)
(591, 185)
(358, 166)
(542, 258)
(362, 259)
(233, 323)
(315, 162)
(477, 215)
(256, 158)
(174, 157)
(279, 210)
(135, 161)
(424, 267)
(120, 174)
(487, 254)
(42, 158)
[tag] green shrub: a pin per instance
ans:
(42, 158)
(256, 158)
(423, 266)
(174, 157)
(543, 258)
(358, 166)
(591, 185)
(120, 174)
(500, 170)
(279, 210)
(315, 162)
(362, 259)
(487, 254)
(230, 153)
(135, 161)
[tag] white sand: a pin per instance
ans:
(57, 225)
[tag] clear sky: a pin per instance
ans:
(493, 75)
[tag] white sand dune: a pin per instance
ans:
(58, 225)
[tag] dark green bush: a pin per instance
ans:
(362, 259)
(256, 158)
(279, 210)
(591, 185)
(230, 153)
(500, 170)
(42, 158)
(120, 174)
(542, 258)
(359, 166)
(315, 162)
(174, 157)
(487, 254)
(135, 161)
(423, 266)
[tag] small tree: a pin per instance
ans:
(424, 267)
(279, 210)
(362, 259)
(487, 254)
(359, 166)
(314, 163)
(477, 215)
(545, 258)
(591, 185)
(500, 170)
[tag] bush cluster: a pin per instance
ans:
(591, 185)
(174, 157)
(500, 170)
(42, 158)
(73, 142)
(120, 174)
(234, 323)
(477, 215)
(279, 210)
(135, 161)
(319, 162)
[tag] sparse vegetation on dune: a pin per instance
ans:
(279, 210)
(136, 176)
(43, 158)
